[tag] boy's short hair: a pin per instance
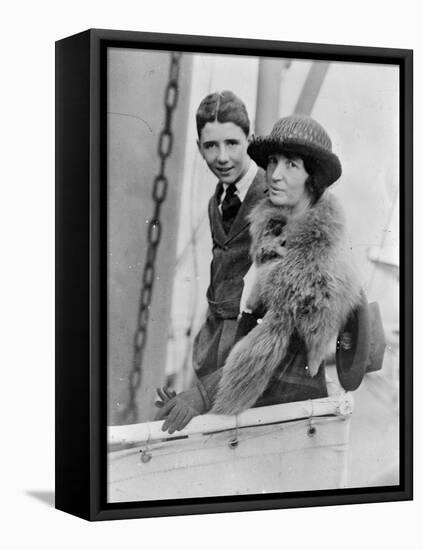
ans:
(222, 107)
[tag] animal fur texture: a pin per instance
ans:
(308, 284)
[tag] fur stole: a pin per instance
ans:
(307, 283)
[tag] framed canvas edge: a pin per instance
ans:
(72, 257)
(95, 411)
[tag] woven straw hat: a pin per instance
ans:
(303, 135)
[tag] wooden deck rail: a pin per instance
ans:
(340, 404)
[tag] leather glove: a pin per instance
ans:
(165, 395)
(178, 410)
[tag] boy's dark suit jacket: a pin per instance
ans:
(230, 263)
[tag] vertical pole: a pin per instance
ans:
(311, 88)
(270, 77)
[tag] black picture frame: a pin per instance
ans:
(81, 285)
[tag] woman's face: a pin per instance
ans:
(286, 179)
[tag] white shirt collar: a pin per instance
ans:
(244, 183)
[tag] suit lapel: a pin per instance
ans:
(254, 194)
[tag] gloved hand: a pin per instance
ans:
(165, 395)
(178, 410)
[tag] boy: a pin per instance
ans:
(223, 129)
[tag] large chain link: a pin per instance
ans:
(154, 234)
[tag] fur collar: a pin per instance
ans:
(321, 225)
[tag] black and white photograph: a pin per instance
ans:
(253, 267)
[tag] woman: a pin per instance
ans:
(305, 285)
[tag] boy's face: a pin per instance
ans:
(223, 145)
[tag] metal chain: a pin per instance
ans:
(154, 234)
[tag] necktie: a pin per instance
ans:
(230, 207)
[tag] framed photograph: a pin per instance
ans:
(233, 274)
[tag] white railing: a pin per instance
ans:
(340, 404)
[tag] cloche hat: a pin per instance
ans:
(303, 135)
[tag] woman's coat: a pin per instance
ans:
(308, 286)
